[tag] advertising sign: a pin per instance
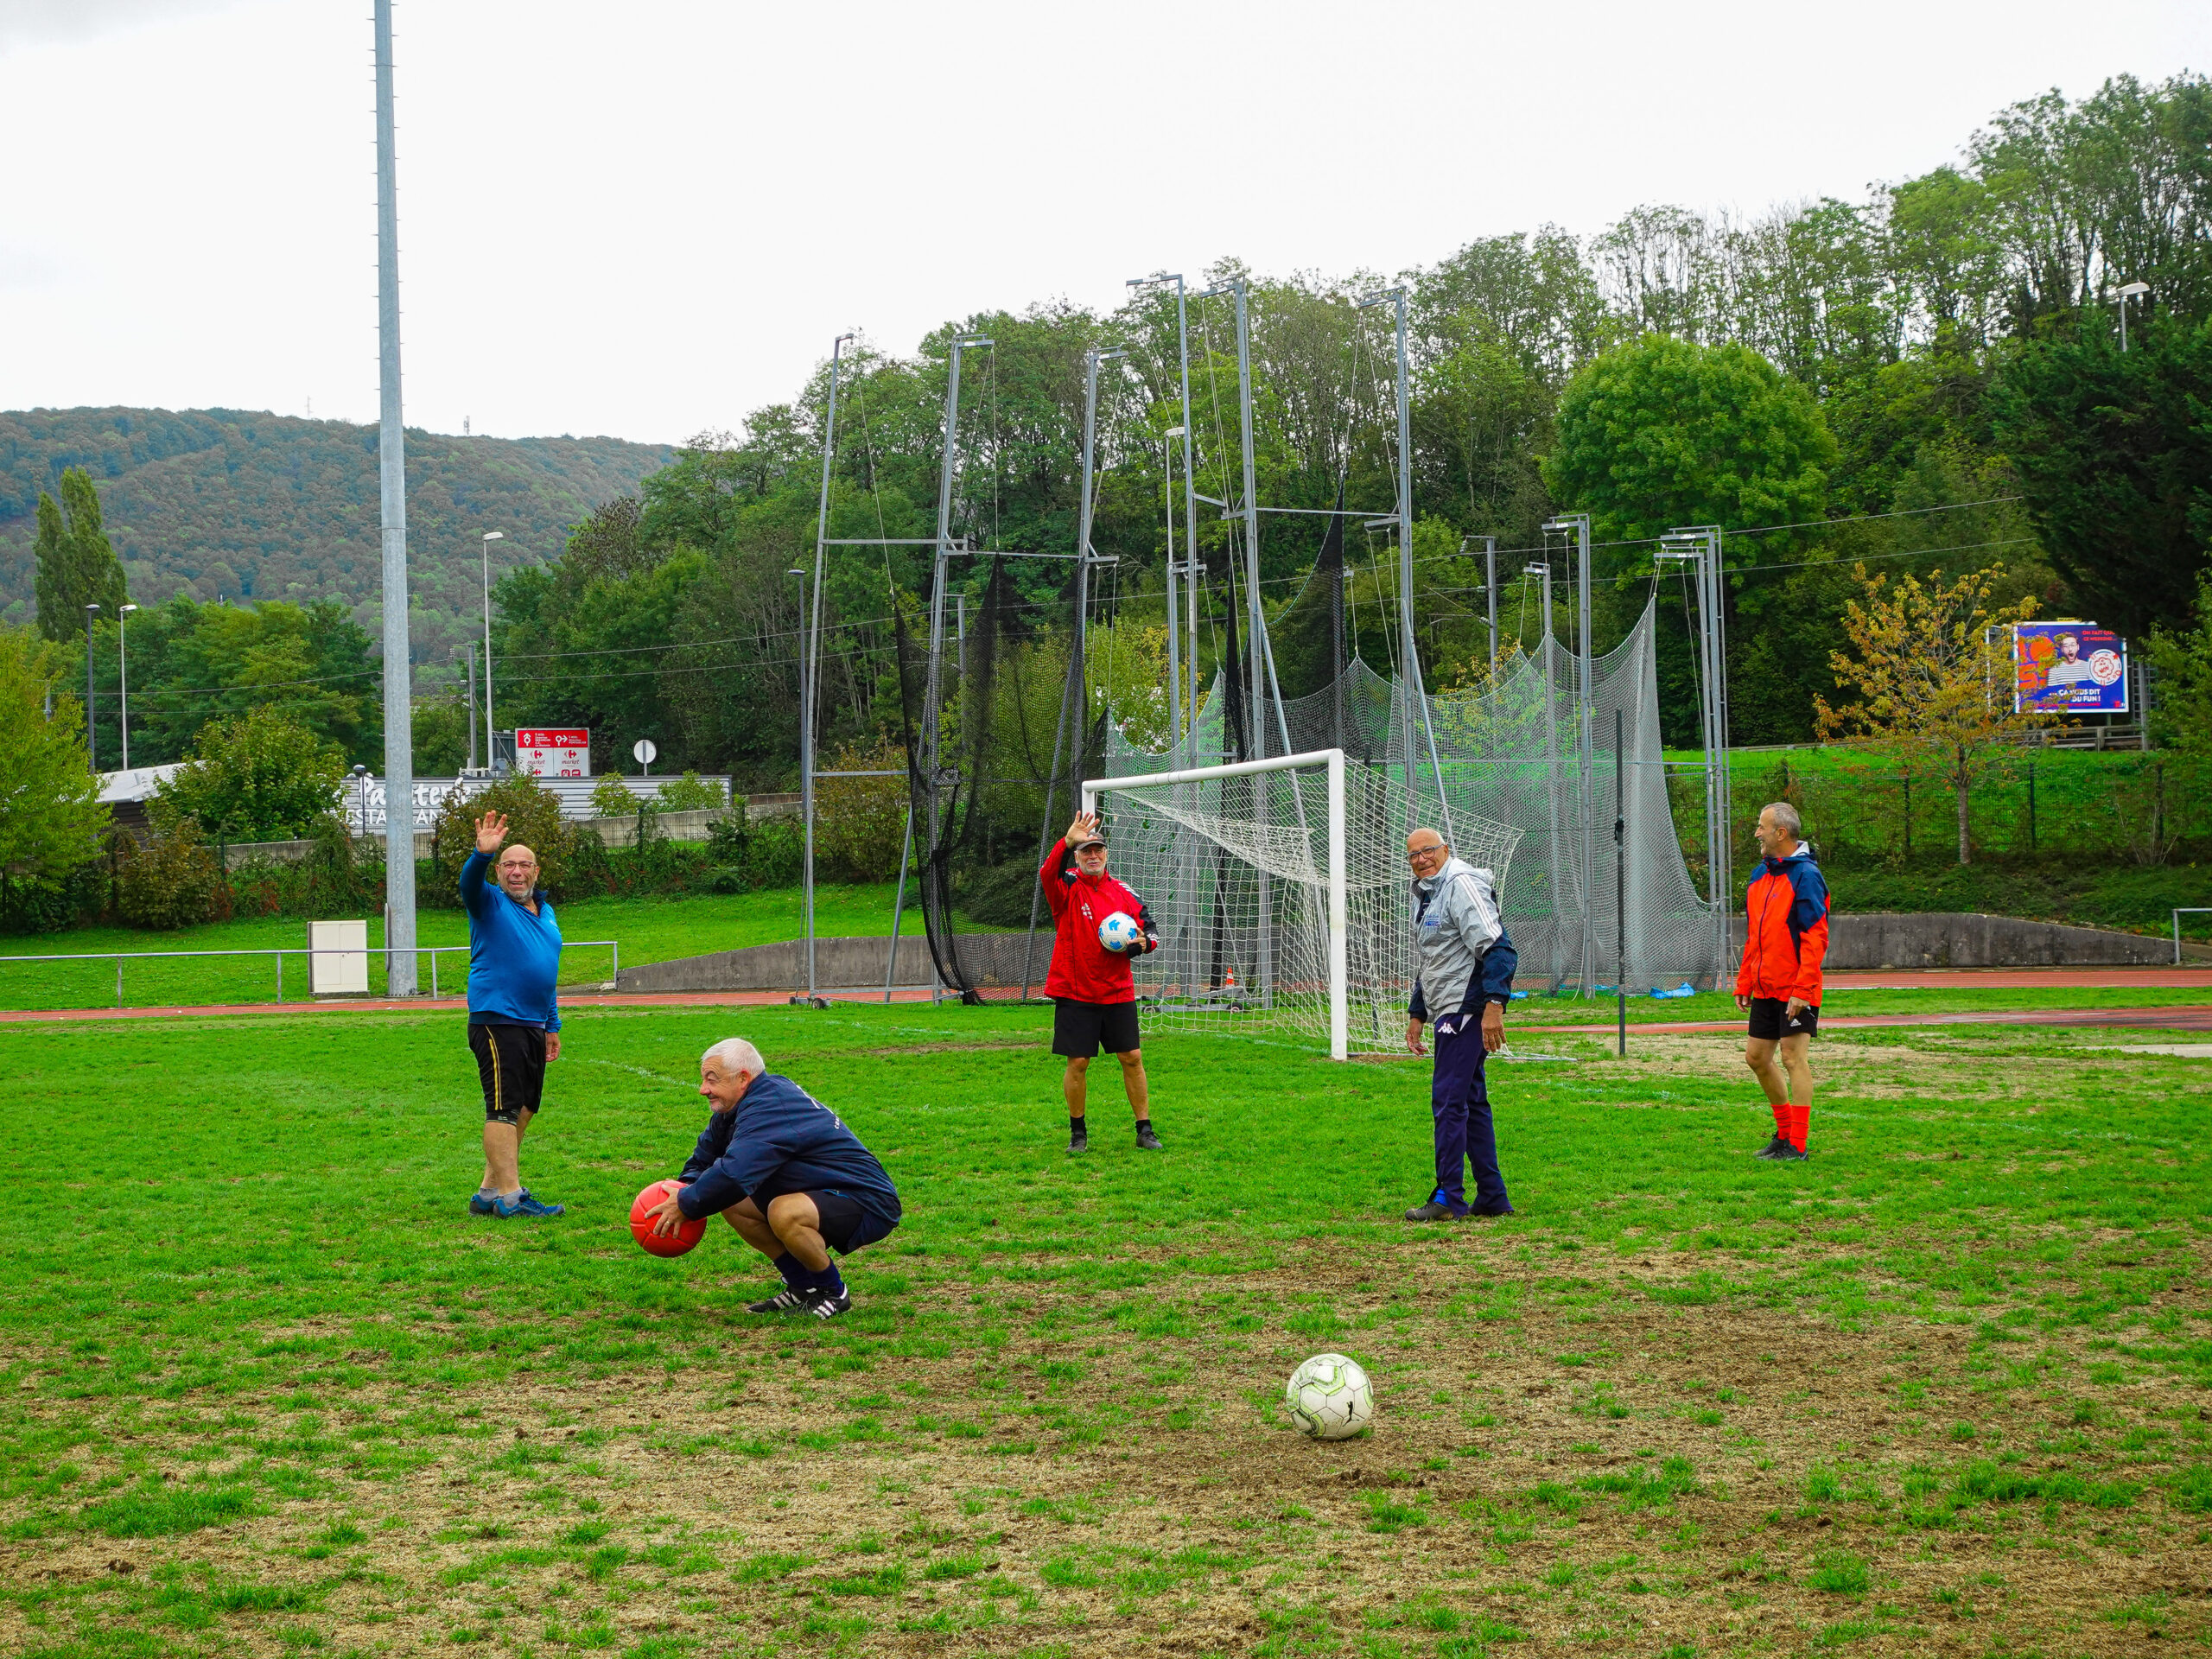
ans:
(2070, 667)
(553, 751)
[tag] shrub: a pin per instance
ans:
(533, 819)
(260, 777)
(860, 823)
(611, 799)
(169, 880)
(690, 793)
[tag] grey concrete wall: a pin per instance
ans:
(992, 959)
(1964, 939)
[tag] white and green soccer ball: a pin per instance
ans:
(1330, 1398)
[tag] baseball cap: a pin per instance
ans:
(1095, 838)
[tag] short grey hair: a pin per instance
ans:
(735, 1054)
(1785, 817)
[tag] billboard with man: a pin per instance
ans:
(2070, 667)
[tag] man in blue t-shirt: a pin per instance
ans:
(514, 1019)
(782, 1168)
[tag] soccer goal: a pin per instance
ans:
(1244, 869)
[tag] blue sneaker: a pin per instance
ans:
(523, 1205)
(481, 1203)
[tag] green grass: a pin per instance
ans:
(648, 930)
(251, 1347)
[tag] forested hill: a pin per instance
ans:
(224, 503)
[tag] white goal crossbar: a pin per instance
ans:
(1334, 880)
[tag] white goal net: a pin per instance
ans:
(1280, 894)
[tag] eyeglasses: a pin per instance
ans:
(1415, 855)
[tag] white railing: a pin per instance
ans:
(434, 952)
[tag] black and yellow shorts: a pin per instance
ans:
(510, 1059)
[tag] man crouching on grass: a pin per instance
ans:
(780, 1168)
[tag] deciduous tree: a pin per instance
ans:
(51, 819)
(77, 566)
(1932, 664)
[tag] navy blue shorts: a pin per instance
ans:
(846, 1223)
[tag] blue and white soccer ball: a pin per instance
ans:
(1330, 1398)
(1120, 933)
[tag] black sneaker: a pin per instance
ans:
(1146, 1140)
(1775, 1148)
(786, 1300)
(1432, 1211)
(1078, 1141)
(823, 1306)
(1789, 1155)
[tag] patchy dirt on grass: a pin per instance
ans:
(1562, 1458)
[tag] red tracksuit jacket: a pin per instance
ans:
(1787, 938)
(1083, 969)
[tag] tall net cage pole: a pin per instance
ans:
(1074, 705)
(1175, 642)
(941, 568)
(1547, 657)
(1257, 682)
(1694, 547)
(1334, 879)
(1414, 718)
(811, 661)
(1577, 524)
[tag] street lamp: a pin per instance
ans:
(2126, 292)
(91, 754)
(491, 730)
(123, 669)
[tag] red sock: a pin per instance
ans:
(1801, 1123)
(1780, 1119)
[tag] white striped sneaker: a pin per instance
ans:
(786, 1300)
(825, 1307)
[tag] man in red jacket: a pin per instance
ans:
(1095, 994)
(1784, 944)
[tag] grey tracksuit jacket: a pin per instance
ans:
(1453, 933)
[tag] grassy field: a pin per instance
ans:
(648, 930)
(265, 1389)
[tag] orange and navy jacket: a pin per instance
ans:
(1082, 970)
(1787, 938)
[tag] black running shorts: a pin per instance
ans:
(1082, 1029)
(1771, 1020)
(510, 1059)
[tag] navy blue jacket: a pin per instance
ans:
(514, 958)
(779, 1139)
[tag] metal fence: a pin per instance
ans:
(433, 951)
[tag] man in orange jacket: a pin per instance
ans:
(1784, 944)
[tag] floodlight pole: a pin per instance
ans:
(91, 739)
(123, 672)
(470, 648)
(809, 661)
(490, 727)
(391, 466)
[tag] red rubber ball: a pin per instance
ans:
(687, 1233)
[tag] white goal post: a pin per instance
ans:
(1276, 855)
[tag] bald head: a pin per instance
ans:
(1426, 850)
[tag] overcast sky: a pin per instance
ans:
(645, 219)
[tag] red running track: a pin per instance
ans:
(2187, 1018)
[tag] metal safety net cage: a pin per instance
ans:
(1520, 777)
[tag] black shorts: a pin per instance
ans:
(1771, 1020)
(510, 1059)
(846, 1224)
(1082, 1029)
